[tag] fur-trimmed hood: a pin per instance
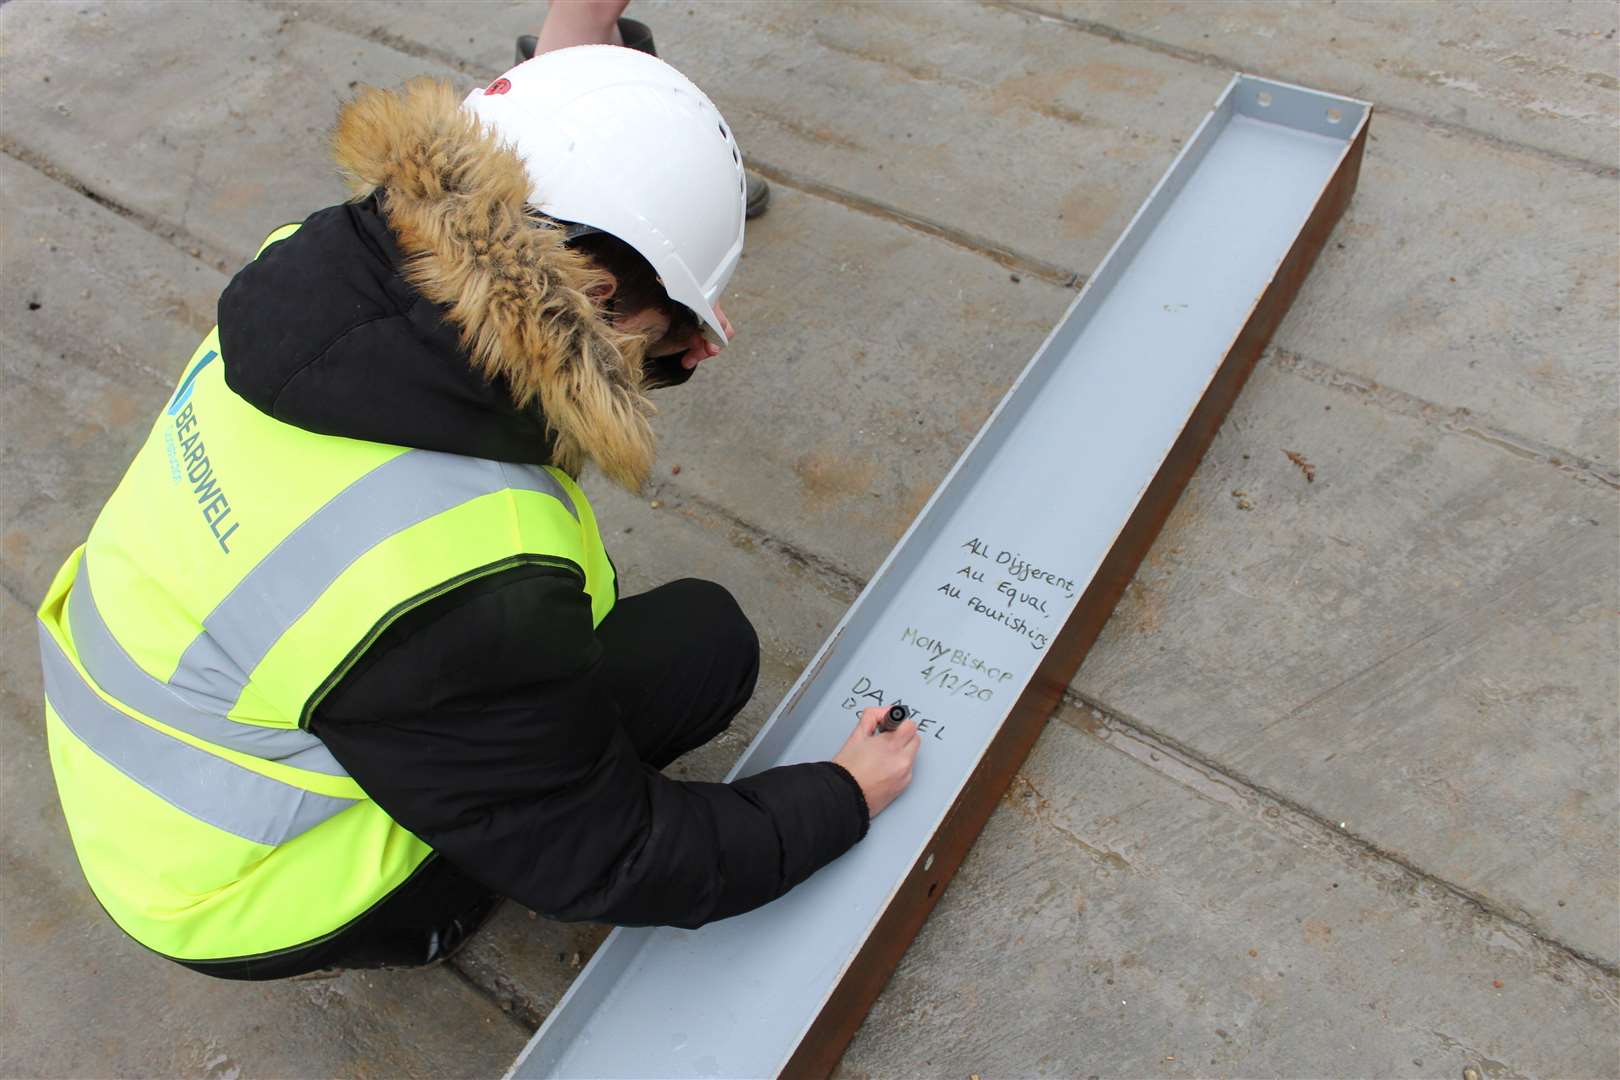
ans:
(434, 310)
(457, 202)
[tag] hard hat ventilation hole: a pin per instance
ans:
(723, 134)
(736, 156)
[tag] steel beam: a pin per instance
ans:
(982, 613)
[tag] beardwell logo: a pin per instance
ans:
(499, 86)
(182, 395)
(189, 459)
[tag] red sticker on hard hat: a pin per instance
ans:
(499, 86)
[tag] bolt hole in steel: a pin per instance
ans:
(1263, 99)
(932, 887)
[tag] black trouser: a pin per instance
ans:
(680, 662)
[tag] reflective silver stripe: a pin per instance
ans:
(532, 478)
(275, 594)
(188, 709)
(195, 782)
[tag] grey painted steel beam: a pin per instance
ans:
(983, 611)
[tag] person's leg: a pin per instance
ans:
(423, 921)
(580, 22)
(427, 920)
(681, 661)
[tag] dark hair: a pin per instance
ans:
(639, 287)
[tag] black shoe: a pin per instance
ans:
(759, 196)
(637, 36)
(447, 940)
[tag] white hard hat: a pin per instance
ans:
(620, 141)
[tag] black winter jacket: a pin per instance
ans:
(477, 721)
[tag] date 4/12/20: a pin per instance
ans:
(946, 679)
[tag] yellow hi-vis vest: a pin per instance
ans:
(238, 571)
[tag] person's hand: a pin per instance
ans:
(880, 761)
(700, 348)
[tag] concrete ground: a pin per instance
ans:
(1338, 791)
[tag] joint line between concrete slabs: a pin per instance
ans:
(929, 73)
(840, 583)
(1168, 747)
(15, 594)
(1453, 419)
(186, 242)
(1007, 257)
(507, 1005)
(1195, 56)
(323, 14)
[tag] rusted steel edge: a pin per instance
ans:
(824, 1042)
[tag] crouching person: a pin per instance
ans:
(342, 662)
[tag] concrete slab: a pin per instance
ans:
(1511, 330)
(1512, 337)
(1531, 73)
(98, 319)
(1114, 922)
(1428, 650)
(216, 168)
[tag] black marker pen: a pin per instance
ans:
(894, 718)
